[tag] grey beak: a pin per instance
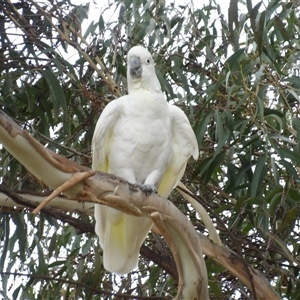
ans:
(135, 67)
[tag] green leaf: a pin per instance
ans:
(43, 267)
(290, 216)
(269, 111)
(294, 93)
(181, 76)
(294, 194)
(258, 176)
(14, 168)
(280, 137)
(278, 121)
(280, 25)
(278, 189)
(97, 273)
(274, 169)
(30, 96)
(4, 245)
(165, 85)
(290, 169)
(101, 23)
(58, 65)
(259, 108)
(201, 128)
(57, 95)
(90, 30)
(222, 135)
(232, 15)
(21, 233)
(260, 32)
(274, 204)
(72, 72)
(52, 245)
(16, 292)
(208, 165)
(287, 153)
(214, 286)
(296, 126)
(154, 276)
(234, 58)
(294, 80)
(7, 86)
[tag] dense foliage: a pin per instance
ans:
(237, 78)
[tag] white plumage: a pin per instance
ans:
(143, 139)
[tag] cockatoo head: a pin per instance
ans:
(141, 71)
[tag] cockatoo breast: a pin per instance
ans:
(141, 138)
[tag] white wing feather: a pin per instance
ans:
(184, 145)
(120, 235)
(102, 133)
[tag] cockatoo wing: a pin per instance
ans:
(120, 235)
(117, 231)
(102, 134)
(184, 145)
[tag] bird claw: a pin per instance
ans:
(147, 188)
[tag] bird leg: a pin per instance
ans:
(72, 181)
(146, 188)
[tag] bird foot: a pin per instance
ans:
(147, 188)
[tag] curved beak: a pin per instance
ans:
(135, 67)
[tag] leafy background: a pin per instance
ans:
(235, 75)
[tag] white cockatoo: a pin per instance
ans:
(143, 139)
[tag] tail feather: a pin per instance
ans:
(120, 236)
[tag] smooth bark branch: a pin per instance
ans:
(61, 203)
(235, 265)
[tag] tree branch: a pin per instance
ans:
(114, 191)
(166, 263)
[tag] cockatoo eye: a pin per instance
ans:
(148, 61)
